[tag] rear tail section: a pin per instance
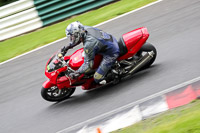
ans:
(134, 41)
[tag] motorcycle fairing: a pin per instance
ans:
(77, 59)
(134, 41)
(48, 84)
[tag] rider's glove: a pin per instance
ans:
(64, 50)
(74, 75)
(60, 55)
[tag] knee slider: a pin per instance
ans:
(98, 77)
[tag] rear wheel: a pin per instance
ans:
(54, 94)
(147, 47)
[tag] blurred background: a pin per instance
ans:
(5, 2)
(28, 24)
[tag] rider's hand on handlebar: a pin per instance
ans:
(60, 55)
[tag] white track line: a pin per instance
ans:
(79, 125)
(94, 26)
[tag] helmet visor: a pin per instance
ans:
(74, 39)
(68, 33)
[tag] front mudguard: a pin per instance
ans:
(47, 84)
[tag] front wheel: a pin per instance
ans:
(54, 94)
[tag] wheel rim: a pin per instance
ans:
(54, 92)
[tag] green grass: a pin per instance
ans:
(24, 43)
(185, 119)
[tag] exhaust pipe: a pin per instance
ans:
(146, 58)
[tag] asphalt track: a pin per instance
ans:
(174, 28)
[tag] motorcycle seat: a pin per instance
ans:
(122, 47)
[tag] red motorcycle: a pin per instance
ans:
(135, 54)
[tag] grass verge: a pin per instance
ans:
(185, 119)
(24, 43)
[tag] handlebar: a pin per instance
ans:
(64, 62)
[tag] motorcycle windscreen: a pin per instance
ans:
(54, 64)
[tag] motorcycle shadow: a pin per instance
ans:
(104, 91)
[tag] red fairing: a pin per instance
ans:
(53, 75)
(67, 57)
(63, 82)
(97, 61)
(77, 59)
(134, 41)
(48, 84)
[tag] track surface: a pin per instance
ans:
(174, 28)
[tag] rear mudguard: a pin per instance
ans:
(47, 84)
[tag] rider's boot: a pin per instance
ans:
(103, 82)
(113, 76)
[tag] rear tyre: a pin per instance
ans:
(148, 47)
(53, 94)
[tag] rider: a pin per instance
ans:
(95, 41)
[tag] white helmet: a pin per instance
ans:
(74, 31)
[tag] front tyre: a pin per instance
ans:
(54, 94)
